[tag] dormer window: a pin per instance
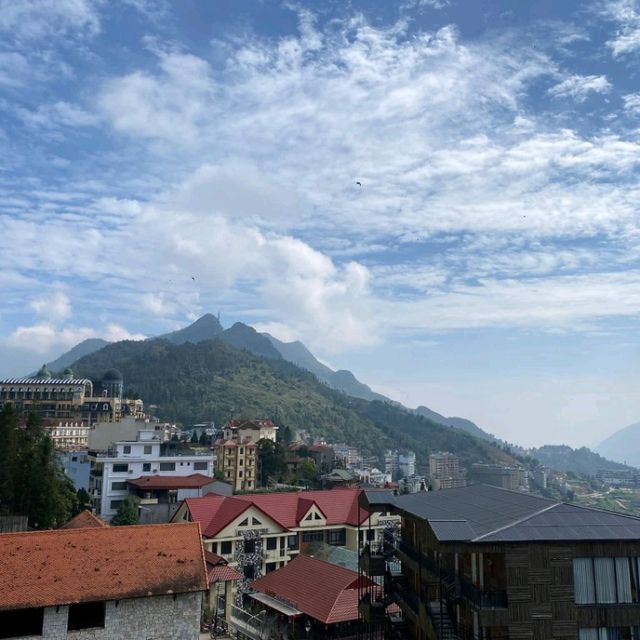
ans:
(244, 523)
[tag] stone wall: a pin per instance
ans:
(153, 618)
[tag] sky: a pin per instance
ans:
(439, 195)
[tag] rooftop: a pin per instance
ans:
(250, 424)
(85, 520)
(324, 591)
(40, 381)
(49, 568)
(215, 512)
(482, 513)
(194, 481)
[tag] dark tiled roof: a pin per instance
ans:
(48, 568)
(481, 513)
(193, 481)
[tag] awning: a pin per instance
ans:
(273, 603)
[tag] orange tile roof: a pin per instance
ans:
(193, 481)
(48, 568)
(84, 520)
(324, 591)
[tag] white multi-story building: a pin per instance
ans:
(398, 464)
(149, 455)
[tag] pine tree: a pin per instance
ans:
(127, 513)
(8, 457)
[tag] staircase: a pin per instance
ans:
(442, 622)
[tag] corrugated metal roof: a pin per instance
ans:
(481, 513)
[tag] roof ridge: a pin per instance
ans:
(517, 522)
(600, 510)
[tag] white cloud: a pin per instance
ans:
(32, 19)
(157, 304)
(627, 18)
(55, 306)
(632, 103)
(58, 113)
(115, 333)
(42, 338)
(579, 87)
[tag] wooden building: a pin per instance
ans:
(485, 563)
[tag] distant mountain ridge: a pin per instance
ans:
(244, 337)
(84, 348)
(582, 460)
(623, 446)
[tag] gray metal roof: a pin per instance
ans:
(481, 513)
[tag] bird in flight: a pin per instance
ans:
(193, 278)
(359, 184)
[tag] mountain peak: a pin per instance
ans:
(207, 327)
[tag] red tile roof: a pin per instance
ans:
(324, 591)
(218, 569)
(84, 520)
(193, 481)
(249, 424)
(215, 512)
(47, 568)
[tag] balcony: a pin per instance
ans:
(371, 562)
(372, 610)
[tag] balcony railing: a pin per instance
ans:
(456, 585)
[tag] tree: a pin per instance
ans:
(127, 513)
(194, 437)
(271, 460)
(205, 441)
(307, 470)
(84, 499)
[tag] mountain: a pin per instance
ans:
(564, 458)
(242, 336)
(205, 328)
(90, 345)
(623, 445)
(215, 381)
(245, 337)
(459, 423)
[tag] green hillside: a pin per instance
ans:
(212, 380)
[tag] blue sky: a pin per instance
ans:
(162, 160)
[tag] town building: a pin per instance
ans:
(349, 456)
(308, 598)
(487, 563)
(445, 471)
(77, 466)
(258, 533)
(237, 452)
(97, 582)
(497, 475)
(221, 579)
(399, 464)
(324, 457)
(149, 455)
(68, 434)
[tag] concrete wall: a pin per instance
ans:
(155, 618)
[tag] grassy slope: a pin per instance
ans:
(214, 381)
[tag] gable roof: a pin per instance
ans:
(339, 506)
(48, 568)
(323, 591)
(483, 513)
(193, 481)
(84, 520)
(218, 569)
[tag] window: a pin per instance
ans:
(255, 520)
(317, 516)
(309, 517)
(21, 622)
(115, 504)
(337, 537)
(226, 547)
(271, 566)
(199, 466)
(146, 466)
(605, 581)
(240, 473)
(249, 571)
(127, 448)
(312, 536)
(249, 546)
(241, 450)
(118, 486)
(86, 615)
(272, 543)
(244, 523)
(167, 466)
(214, 547)
(147, 449)
(120, 468)
(241, 463)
